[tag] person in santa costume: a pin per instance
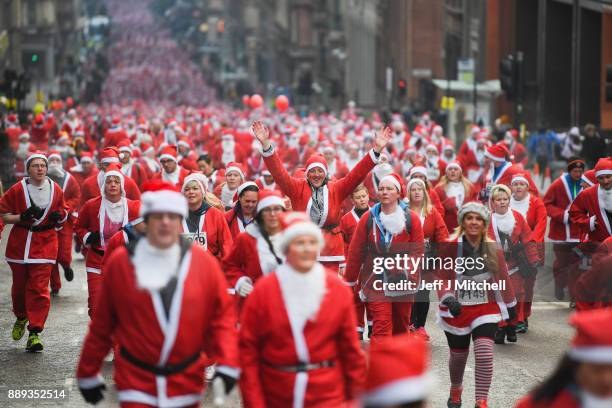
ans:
(62, 145)
(186, 155)
(434, 232)
(228, 151)
(473, 159)
(24, 150)
(398, 373)
(243, 212)
(99, 219)
(256, 251)
(434, 164)
(420, 172)
(593, 287)
(71, 122)
(400, 138)
(214, 176)
(297, 154)
(389, 228)
(533, 210)
(469, 144)
(448, 153)
(226, 191)
(205, 224)
(454, 189)
(583, 377)
(297, 336)
(516, 149)
(360, 200)
(40, 131)
(148, 161)
(171, 171)
(316, 194)
(173, 291)
(115, 133)
(92, 186)
(129, 166)
(84, 169)
(35, 205)
(72, 199)
(353, 155)
(564, 235)
(510, 230)
(335, 167)
(382, 169)
(591, 210)
(13, 130)
(466, 314)
(266, 181)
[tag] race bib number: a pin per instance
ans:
(197, 237)
(472, 296)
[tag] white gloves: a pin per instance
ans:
(245, 286)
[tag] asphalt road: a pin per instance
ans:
(518, 367)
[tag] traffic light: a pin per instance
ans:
(402, 88)
(508, 76)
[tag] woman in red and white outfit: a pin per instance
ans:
(509, 228)
(205, 224)
(35, 205)
(434, 232)
(226, 191)
(454, 189)
(243, 212)
(420, 172)
(316, 194)
(297, 336)
(256, 251)
(266, 181)
(387, 230)
(467, 314)
(533, 210)
(99, 219)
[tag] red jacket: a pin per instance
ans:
(434, 229)
(449, 205)
(507, 171)
(91, 219)
(72, 195)
(136, 172)
(588, 213)
(25, 246)
(348, 223)
(183, 172)
(557, 202)
(201, 322)
(217, 238)
(234, 222)
(564, 399)
(267, 340)
(91, 188)
(334, 193)
(592, 287)
(521, 233)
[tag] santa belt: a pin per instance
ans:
(165, 370)
(36, 228)
(303, 367)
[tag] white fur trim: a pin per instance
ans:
(391, 180)
(168, 157)
(245, 185)
(90, 382)
(35, 156)
(268, 153)
(372, 155)
(110, 160)
(268, 202)
(229, 371)
(418, 170)
(201, 179)
(316, 164)
(86, 159)
(596, 354)
(451, 165)
(234, 168)
(604, 172)
(519, 178)
(163, 201)
(565, 216)
(298, 229)
(415, 181)
(474, 207)
(592, 222)
(54, 156)
(401, 391)
(495, 158)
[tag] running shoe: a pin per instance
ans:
(34, 344)
(19, 328)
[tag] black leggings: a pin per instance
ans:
(420, 308)
(463, 342)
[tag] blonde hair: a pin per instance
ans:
(467, 184)
(427, 206)
(490, 253)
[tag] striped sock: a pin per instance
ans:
(456, 366)
(483, 358)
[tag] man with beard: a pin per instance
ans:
(72, 198)
(448, 153)
(129, 166)
(353, 155)
(84, 169)
(472, 161)
(379, 171)
(228, 151)
(24, 149)
(434, 165)
(171, 172)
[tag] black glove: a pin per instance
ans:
(228, 381)
(93, 238)
(31, 213)
(454, 307)
(511, 313)
(55, 217)
(93, 395)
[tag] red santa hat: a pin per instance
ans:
(296, 224)
(268, 198)
(116, 121)
(109, 155)
(473, 207)
(54, 154)
(237, 167)
(184, 142)
(11, 118)
(396, 181)
(24, 136)
(86, 157)
(398, 371)
(169, 152)
(162, 197)
(454, 164)
(498, 152)
(589, 177)
(114, 169)
(432, 146)
(316, 161)
(36, 155)
(124, 145)
(199, 178)
(38, 119)
(418, 170)
(448, 146)
(592, 342)
(519, 178)
(146, 148)
(603, 167)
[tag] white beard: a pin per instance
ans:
(172, 177)
(505, 223)
(227, 195)
(381, 170)
(229, 153)
(448, 159)
(456, 189)
(605, 198)
(302, 293)
(56, 171)
(155, 267)
(23, 150)
(521, 206)
(395, 222)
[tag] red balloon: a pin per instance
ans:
(256, 101)
(282, 103)
(246, 99)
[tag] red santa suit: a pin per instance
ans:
(261, 183)
(593, 289)
(92, 185)
(590, 213)
(452, 196)
(236, 222)
(197, 324)
(72, 199)
(294, 320)
(333, 194)
(24, 150)
(227, 152)
(31, 249)
(104, 218)
(372, 239)
(212, 233)
(13, 130)
(114, 134)
(40, 133)
(132, 168)
(504, 173)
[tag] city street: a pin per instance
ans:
(517, 366)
